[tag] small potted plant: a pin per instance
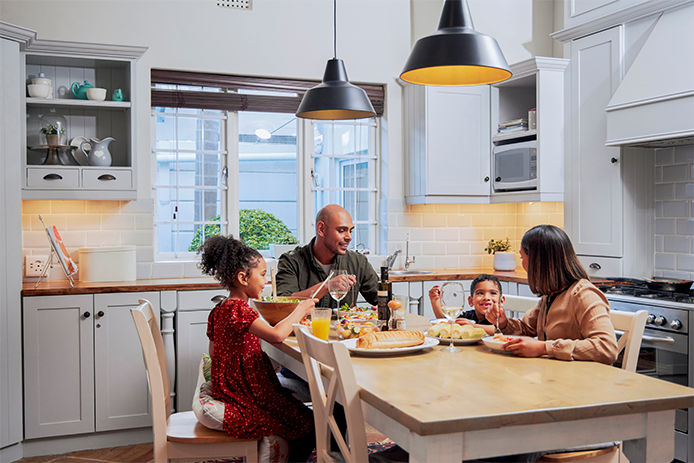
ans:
(503, 258)
(53, 133)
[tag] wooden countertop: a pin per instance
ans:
(517, 276)
(62, 287)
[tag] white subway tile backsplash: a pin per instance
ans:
(685, 262)
(684, 190)
(103, 238)
(676, 173)
(685, 226)
(674, 208)
(664, 226)
(433, 248)
(664, 157)
(664, 192)
(658, 176)
(144, 222)
(684, 153)
(674, 243)
(659, 243)
(665, 261)
(144, 270)
(677, 275)
(167, 270)
(446, 234)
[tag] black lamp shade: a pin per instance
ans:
(335, 98)
(456, 54)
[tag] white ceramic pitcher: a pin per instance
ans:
(97, 151)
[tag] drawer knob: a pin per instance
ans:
(486, 179)
(105, 177)
(614, 160)
(86, 314)
(52, 177)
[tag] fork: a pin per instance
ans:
(497, 331)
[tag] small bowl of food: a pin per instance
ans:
(348, 329)
(275, 309)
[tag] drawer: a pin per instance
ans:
(107, 179)
(199, 299)
(51, 178)
(601, 267)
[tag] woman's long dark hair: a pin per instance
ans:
(552, 262)
(223, 257)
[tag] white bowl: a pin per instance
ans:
(38, 90)
(96, 94)
(41, 81)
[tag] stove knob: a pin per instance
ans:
(675, 324)
(660, 320)
(650, 318)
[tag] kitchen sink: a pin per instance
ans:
(409, 272)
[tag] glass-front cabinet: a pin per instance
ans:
(80, 112)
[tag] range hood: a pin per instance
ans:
(654, 104)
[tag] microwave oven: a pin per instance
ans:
(515, 166)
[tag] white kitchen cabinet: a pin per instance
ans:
(191, 340)
(447, 144)
(586, 16)
(83, 367)
(65, 63)
(537, 83)
(10, 252)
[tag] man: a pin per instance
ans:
(300, 272)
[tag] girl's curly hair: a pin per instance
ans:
(223, 257)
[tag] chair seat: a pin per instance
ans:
(183, 427)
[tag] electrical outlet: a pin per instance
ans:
(34, 265)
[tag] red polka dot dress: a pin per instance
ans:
(256, 405)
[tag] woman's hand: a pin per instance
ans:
(526, 347)
(435, 294)
(491, 315)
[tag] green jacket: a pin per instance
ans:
(298, 270)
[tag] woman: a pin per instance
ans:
(571, 321)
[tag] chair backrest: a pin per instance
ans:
(519, 304)
(342, 385)
(632, 325)
(155, 364)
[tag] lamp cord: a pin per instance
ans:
(334, 29)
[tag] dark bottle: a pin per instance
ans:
(385, 294)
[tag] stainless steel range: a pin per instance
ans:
(666, 346)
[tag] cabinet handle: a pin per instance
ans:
(486, 179)
(100, 313)
(595, 266)
(106, 177)
(52, 177)
(614, 160)
(86, 314)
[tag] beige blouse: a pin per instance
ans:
(577, 325)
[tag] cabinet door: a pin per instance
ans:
(191, 343)
(594, 197)
(122, 395)
(458, 140)
(58, 365)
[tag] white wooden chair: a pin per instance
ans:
(342, 385)
(631, 325)
(518, 305)
(178, 435)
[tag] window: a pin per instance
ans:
(228, 148)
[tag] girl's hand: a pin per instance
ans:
(492, 313)
(435, 294)
(306, 305)
(526, 347)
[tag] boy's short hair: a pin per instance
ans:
(485, 277)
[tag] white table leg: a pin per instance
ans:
(659, 443)
(442, 448)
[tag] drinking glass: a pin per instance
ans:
(338, 288)
(453, 301)
(320, 322)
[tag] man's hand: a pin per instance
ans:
(343, 281)
(526, 347)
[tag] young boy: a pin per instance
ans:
(485, 290)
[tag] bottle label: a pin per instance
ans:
(383, 310)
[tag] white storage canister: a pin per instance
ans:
(110, 263)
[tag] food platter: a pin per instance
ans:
(497, 346)
(351, 345)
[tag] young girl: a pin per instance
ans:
(571, 321)
(242, 376)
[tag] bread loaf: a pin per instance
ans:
(390, 339)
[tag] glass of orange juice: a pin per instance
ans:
(320, 322)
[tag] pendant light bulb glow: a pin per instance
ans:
(335, 98)
(456, 54)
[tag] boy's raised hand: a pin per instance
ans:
(435, 294)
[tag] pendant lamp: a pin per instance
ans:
(335, 98)
(456, 54)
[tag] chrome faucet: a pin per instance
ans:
(407, 254)
(390, 260)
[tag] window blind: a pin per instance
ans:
(232, 101)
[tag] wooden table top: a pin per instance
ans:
(434, 391)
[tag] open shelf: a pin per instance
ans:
(499, 137)
(79, 103)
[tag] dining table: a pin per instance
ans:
(475, 403)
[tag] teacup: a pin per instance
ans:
(96, 94)
(39, 90)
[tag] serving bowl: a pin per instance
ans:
(38, 90)
(274, 310)
(96, 94)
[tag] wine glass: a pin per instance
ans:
(452, 300)
(338, 287)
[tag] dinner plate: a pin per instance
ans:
(77, 153)
(458, 342)
(497, 346)
(351, 345)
